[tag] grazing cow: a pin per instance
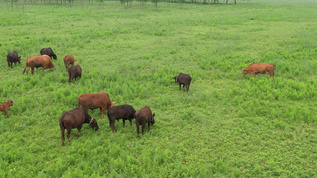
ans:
(143, 116)
(48, 51)
(75, 118)
(183, 79)
(95, 100)
(13, 57)
(69, 60)
(124, 112)
(38, 61)
(5, 106)
(263, 68)
(74, 72)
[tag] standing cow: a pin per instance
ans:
(124, 112)
(13, 57)
(263, 68)
(38, 61)
(94, 101)
(69, 60)
(183, 79)
(74, 72)
(143, 116)
(75, 118)
(48, 51)
(5, 107)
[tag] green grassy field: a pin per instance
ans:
(228, 125)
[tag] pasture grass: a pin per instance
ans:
(228, 125)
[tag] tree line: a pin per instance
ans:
(124, 3)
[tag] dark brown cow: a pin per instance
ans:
(13, 57)
(48, 51)
(5, 106)
(69, 60)
(124, 112)
(75, 118)
(263, 68)
(38, 61)
(183, 79)
(74, 72)
(94, 101)
(143, 116)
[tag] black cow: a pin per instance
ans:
(143, 116)
(48, 51)
(183, 79)
(75, 118)
(74, 72)
(13, 57)
(124, 112)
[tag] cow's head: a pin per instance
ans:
(19, 58)
(10, 102)
(54, 56)
(244, 71)
(152, 121)
(176, 78)
(93, 124)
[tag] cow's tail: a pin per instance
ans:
(61, 123)
(24, 70)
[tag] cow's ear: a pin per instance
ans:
(153, 114)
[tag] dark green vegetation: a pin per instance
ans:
(227, 126)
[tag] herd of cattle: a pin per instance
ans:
(75, 118)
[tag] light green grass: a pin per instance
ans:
(228, 125)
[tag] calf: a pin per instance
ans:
(74, 72)
(263, 68)
(48, 51)
(143, 116)
(69, 60)
(124, 112)
(13, 57)
(75, 118)
(5, 106)
(183, 79)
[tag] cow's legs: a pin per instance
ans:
(27, 70)
(143, 127)
(130, 122)
(32, 70)
(78, 128)
(68, 133)
(123, 120)
(179, 86)
(137, 128)
(187, 87)
(63, 135)
(6, 111)
(184, 87)
(101, 112)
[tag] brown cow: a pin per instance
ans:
(5, 106)
(75, 118)
(143, 116)
(124, 112)
(263, 68)
(95, 100)
(183, 79)
(38, 61)
(74, 72)
(13, 57)
(69, 60)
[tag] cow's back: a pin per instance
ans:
(144, 114)
(73, 118)
(93, 100)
